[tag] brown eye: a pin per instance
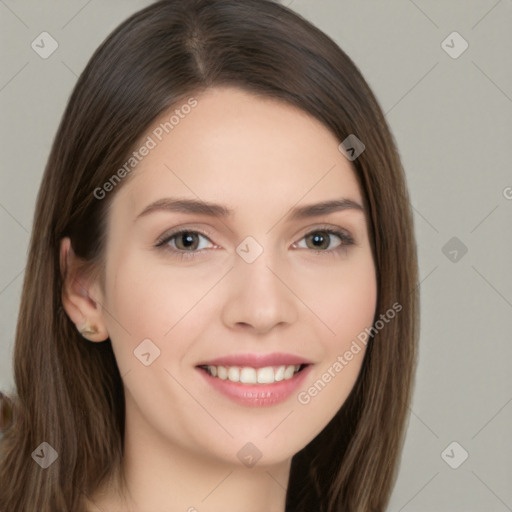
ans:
(186, 240)
(326, 240)
(318, 240)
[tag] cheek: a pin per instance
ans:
(345, 300)
(353, 303)
(146, 302)
(342, 295)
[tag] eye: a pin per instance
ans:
(184, 241)
(321, 240)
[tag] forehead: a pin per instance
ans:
(243, 150)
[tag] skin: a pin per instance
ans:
(261, 158)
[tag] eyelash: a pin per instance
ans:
(345, 238)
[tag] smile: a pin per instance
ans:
(255, 387)
(249, 375)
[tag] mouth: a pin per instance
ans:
(255, 379)
(250, 375)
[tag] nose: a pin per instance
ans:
(259, 296)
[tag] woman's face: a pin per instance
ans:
(263, 286)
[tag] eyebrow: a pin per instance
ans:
(192, 206)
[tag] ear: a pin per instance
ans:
(81, 295)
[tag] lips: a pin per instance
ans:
(256, 379)
(259, 394)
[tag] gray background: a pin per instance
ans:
(451, 118)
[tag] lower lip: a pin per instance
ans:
(257, 395)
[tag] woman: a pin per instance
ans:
(219, 309)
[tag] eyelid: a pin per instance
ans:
(163, 239)
(331, 228)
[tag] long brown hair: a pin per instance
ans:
(69, 391)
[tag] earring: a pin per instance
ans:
(87, 330)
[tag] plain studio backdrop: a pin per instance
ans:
(442, 73)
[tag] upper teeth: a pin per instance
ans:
(248, 375)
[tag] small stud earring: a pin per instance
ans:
(87, 330)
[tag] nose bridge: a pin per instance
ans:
(255, 271)
(258, 273)
(258, 296)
